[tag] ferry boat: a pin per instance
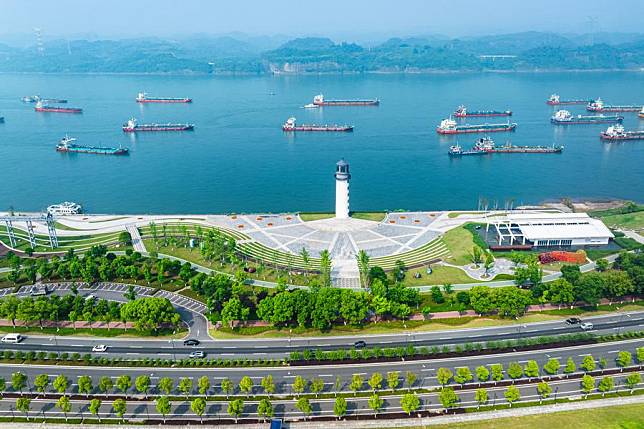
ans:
(66, 208)
(616, 132)
(449, 126)
(564, 117)
(291, 125)
(67, 145)
(599, 106)
(556, 100)
(40, 107)
(37, 98)
(462, 112)
(132, 126)
(319, 100)
(142, 97)
(486, 145)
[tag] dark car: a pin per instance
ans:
(573, 320)
(360, 344)
(191, 342)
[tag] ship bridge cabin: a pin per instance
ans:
(523, 230)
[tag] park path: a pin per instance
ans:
(137, 241)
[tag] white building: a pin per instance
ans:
(342, 177)
(550, 230)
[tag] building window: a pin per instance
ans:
(542, 243)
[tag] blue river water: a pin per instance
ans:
(239, 160)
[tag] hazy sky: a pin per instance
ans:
(335, 18)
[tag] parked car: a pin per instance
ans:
(360, 344)
(586, 326)
(99, 348)
(12, 338)
(573, 320)
(197, 355)
(191, 342)
(36, 291)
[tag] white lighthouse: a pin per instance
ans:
(342, 177)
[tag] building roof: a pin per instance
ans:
(559, 226)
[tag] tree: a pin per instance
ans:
(561, 291)
(234, 310)
(227, 387)
(640, 355)
(376, 403)
(481, 397)
(393, 379)
(570, 366)
(304, 406)
(18, 381)
(482, 374)
(375, 381)
(356, 383)
(125, 238)
(512, 301)
(268, 384)
(463, 375)
(340, 407)
(142, 384)
(633, 380)
(65, 405)
(531, 369)
(587, 384)
(363, 267)
(317, 386)
(409, 403)
(606, 384)
(589, 288)
(163, 406)
(476, 256)
(85, 384)
(624, 359)
(497, 372)
(444, 376)
(325, 267)
(299, 385)
(120, 407)
(512, 394)
(410, 378)
(105, 384)
(246, 385)
(515, 370)
(95, 407)
(447, 397)
(482, 299)
(571, 273)
(544, 390)
(489, 263)
(265, 409)
(198, 406)
(23, 405)
(41, 382)
(166, 385)
(588, 363)
(203, 384)
(185, 386)
(552, 366)
(124, 383)
(601, 264)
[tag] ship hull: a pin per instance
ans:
(94, 150)
(517, 149)
(621, 137)
(615, 109)
(587, 122)
(348, 103)
(315, 129)
(165, 100)
(58, 110)
(482, 114)
(475, 130)
(566, 102)
(143, 128)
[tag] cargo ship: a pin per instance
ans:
(616, 132)
(486, 145)
(462, 112)
(319, 100)
(449, 126)
(37, 98)
(40, 107)
(291, 125)
(143, 98)
(67, 145)
(599, 106)
(132, 127)
(555, 100)
(564, 117)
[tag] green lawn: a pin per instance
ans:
(616, 417)
(373, 216)
(307, 217)
(634, 221)
(459, 241)
(440, 275)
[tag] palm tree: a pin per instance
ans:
(305, 258)
(325, 267)
(363, 266)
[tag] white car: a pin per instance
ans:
(99, 348)
(586, 326)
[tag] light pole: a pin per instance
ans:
(174, 355)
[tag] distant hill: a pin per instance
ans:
(237, 53)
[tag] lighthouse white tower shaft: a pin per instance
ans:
(342, 177)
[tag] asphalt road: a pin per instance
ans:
(270, 348)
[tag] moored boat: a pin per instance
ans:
(599, 106)
(142, 97)
(564, 117)
(67, 145)
(449, 126)
(37, 98)
(319, 100)
(291, 125)
(131, 126)
(617, 132)
(486, 145)
(40, 107)
(462, 112)
(556, 100)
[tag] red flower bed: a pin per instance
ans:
(578, 257)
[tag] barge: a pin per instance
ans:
(555, 100)
(599, 106)
(319, 100)
(291, 125)
(40, 107)
(564, 117)
(131, 126)
(462, 112)
(142, 97)
(37, 98)
(449, 126)
(486, 145)
(67, 145)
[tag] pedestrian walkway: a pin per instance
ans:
(137, 242)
